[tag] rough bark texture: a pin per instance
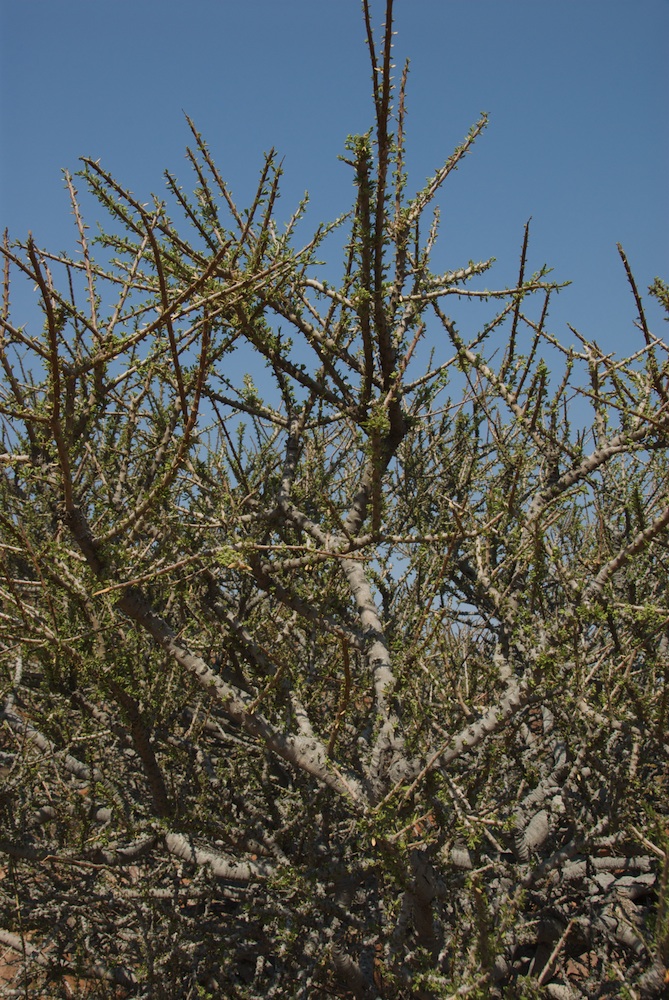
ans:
(353, 682)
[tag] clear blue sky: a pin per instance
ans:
(576, 89)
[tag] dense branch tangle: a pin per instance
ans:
(308, 645)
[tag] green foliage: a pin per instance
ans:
(316, 678)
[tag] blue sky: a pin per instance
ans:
(576, 91)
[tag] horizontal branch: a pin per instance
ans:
(232, 871)
(46, 959)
